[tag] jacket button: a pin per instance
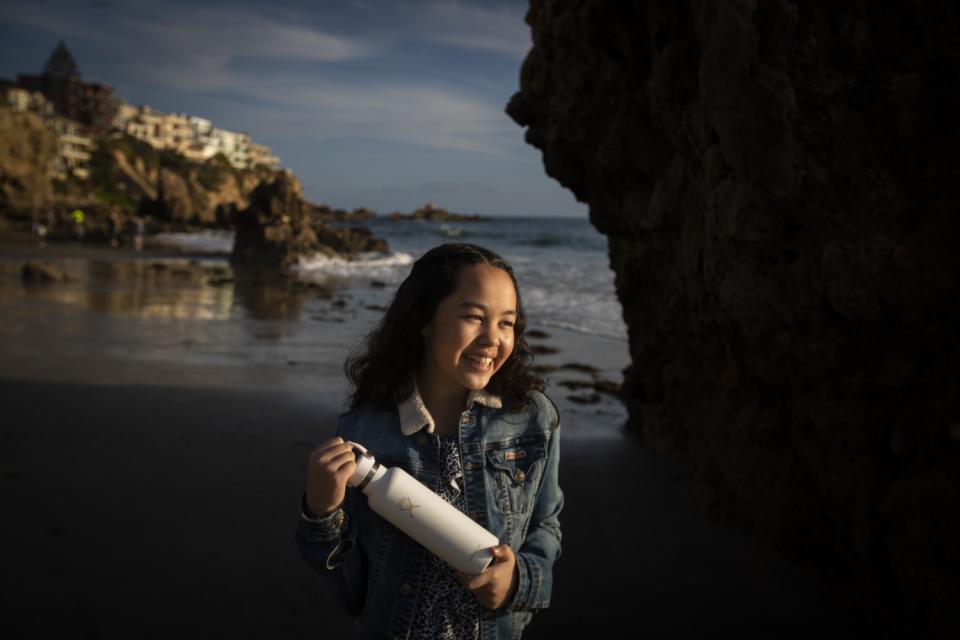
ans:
(422, 439)
(519, 475)
(405, 589)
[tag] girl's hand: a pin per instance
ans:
(498, 581)
(328, 468)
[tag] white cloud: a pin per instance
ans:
(424, 115)
(194, 49)
(229, 34)
(499, 29)
(205, 38)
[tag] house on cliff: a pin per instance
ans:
(74, 144)
(89, 103)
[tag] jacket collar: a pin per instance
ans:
(414, 415)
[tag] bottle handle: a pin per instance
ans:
(357, 445)
(367, 466)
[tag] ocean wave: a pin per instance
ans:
(549, 240)
(365, 265)
(206, 241)
(452, 232)
(585, 307)
(586, 327)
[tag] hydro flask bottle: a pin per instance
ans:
(423, 515)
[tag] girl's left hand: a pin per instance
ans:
(498, 581)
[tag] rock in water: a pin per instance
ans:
(36, 272)
(279, 227)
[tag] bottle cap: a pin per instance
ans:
(367, 468)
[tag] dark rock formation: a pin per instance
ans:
(432, 212)
(324, 213)
(278, 228)
(27, 153)
(36, 272)
(778, 184)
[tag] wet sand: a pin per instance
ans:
(152, 458)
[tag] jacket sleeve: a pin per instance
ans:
(330, 548)
(541, 547)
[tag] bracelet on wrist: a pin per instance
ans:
(310, 514)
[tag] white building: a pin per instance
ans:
(74, 146)
(193, 137)
(235, 146)
(262, 156)
(22, 100)
(74, 149)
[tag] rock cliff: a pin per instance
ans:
(778, 185)
(27, 153)
(169, 187)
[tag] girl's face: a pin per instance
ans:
(474, 323)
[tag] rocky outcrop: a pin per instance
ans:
(324, 213)
(36, 272)
(432, 212)
(777, 182)
(278, 229)
(28, 150)
(169, 187)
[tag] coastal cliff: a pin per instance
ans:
(27, 152)
(126, 175)
(168, 186)
(275, 225)
(777, 183)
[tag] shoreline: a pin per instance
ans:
(155, 434)
(174, 327)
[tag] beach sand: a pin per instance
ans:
(152, 456)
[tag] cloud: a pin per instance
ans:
(420, 114)
(237, 52)
(199, 41)
(230, 34)
(499, 29)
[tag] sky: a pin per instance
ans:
(385, 104)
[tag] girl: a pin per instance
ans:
(444, 390)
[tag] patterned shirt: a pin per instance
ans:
(445, 609)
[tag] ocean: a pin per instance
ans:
(561, 264)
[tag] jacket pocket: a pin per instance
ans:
(516, 472)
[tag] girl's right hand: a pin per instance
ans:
(328, 468)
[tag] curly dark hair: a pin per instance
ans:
(383, 367)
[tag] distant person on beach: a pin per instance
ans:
(442, 388)
(40, 233)
(139, 231)
(79, 227)
(116, 227)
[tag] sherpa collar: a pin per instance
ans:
(414, 415)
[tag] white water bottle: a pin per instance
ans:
(423, 515)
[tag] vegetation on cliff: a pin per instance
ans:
(27, 152)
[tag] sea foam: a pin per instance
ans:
(390, 266)
(206, 241)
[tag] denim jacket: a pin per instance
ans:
(510, 466)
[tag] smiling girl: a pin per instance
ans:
(442, 388)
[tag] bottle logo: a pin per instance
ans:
(406, 504)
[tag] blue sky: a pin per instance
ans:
(376, 103)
